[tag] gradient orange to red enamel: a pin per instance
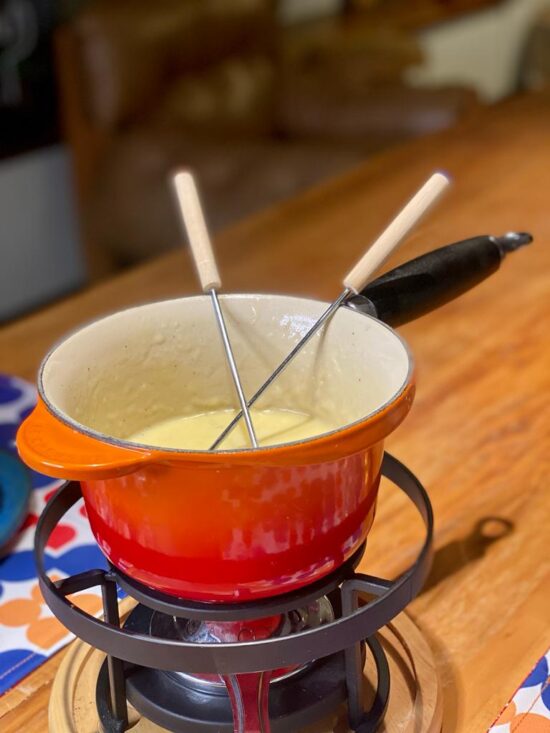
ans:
(238, 533)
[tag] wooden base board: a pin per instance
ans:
(415, 704)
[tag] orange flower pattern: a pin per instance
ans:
(43, 631)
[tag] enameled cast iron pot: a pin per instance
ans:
(236, 525)
(232, 525)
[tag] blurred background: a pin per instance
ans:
(101, 99)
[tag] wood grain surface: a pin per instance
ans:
(478, 435)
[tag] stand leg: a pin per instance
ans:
(249, 695)
(115, 666)
(360, 720)
(354, 665)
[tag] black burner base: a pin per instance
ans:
(294, 703)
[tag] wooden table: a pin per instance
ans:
(478, 434)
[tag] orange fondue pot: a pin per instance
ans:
(227, 525)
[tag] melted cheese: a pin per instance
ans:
(198, 432)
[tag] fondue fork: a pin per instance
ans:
(359, 275)
(207, 269)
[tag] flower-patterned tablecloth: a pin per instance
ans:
(529, 710)
(29, 633)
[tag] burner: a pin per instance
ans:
(275, 665)
(185, 703)
(175, 707)
(215, 632)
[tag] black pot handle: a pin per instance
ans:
(431, 280)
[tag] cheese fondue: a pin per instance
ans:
(198, 432)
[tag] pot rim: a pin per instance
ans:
(368, 419)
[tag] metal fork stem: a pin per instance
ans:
(333, 307)
(233, 367)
